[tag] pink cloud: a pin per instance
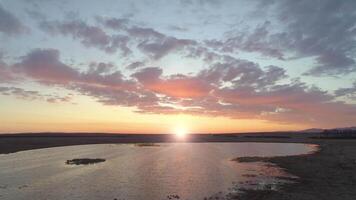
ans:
(179, 86)
(236, 89)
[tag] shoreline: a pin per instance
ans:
(12, 143)
(329, 173)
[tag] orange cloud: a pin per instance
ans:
(181, 87)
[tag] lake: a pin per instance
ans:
(131, 172)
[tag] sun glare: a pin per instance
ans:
(180, 133)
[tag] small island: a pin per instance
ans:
(147, 144)
(84, 161)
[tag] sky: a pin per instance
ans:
(205, 66)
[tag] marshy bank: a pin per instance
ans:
(148, 144)
(329, 173)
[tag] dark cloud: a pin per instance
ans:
(90, 36)
(333, 63)
(160, 48)
(149, 41)
(347, 92)
(10, 24)
(148, 75)
(155, 44)
(113, 23)
(144, 33)
(242, 73)
(33, 95)
(44, 66)
(178, 28)
(257, 40)
(291, 96)
(324, 30)
(201, 52)
(135, 65)
(100, 67)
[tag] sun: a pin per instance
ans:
(180, 133)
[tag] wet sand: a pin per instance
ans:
(329, 173)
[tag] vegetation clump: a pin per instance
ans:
(84, 161)
(147, 144)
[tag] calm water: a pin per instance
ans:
(190, 170)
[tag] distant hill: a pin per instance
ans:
(319, 130)
(313, 130)
(346, 128)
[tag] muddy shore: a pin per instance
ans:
(330, 173)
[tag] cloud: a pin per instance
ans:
(177, 28)
(100, 67)
(44, 66)
(100, 80)
(235, 88)
(349, 92)
(10, 24)
(324, 30)
(257, 40)
(152, 43)
(6, 75)
(225, 86)
(290, 96)
(332, 63)
(33, 95)
(90, 36)
(113, 23)
(144, 33)
(148, 75)
(160, 48)
(135, 65)
(242, 73)
(241, 89)
(289, 30)
(155, 44)
(179, 86)
(121, 97)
